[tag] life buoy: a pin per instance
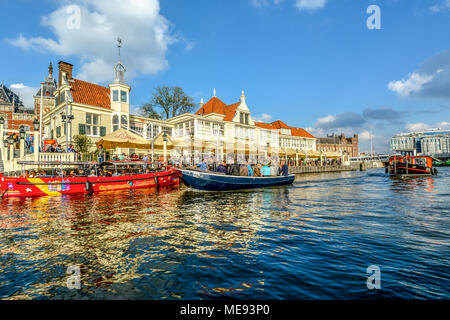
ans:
(47, 109)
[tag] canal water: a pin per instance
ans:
(312, 240)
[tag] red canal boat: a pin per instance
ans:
(84, 178)
(410, 166)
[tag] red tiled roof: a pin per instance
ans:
(280, 125)
(230, 111)
(90, 94)
(215, 105)
(297, 132)
(265, 125)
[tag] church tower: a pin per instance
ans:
(120, 96)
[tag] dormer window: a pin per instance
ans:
(115, 95)
(243, 118)
(123, 96)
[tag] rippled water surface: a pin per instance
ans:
(312, 240)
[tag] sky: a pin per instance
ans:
(314, 64)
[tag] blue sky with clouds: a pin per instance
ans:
(311, 63)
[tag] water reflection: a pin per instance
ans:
(287, 242)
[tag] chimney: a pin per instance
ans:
(66, 68)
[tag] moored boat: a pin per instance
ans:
(212, 181)
(87, 178)
(410, 166)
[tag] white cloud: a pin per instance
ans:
(326, 120)
(263, 3)
(263, 118)
(25, 93)
(366, 136)
(440, 7)
(310, 5)
(145, 33)
(420, 126)
(413, 84)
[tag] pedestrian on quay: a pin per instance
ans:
(101, 154)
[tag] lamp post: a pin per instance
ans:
(22, 142)
(192, 147)
(165, 146)
(11, 149)
(37, 139)
(2, 123)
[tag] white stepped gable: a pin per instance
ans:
(244, 109)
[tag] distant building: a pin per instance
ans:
(13, 111)
(434, 142)
(339, 144)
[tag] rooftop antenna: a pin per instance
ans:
(214, 92)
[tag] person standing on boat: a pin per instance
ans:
(250, 170)
(284, 169)
(221, 168)
(203, 165)
(265, 171)
(257, 170)
(273, 169)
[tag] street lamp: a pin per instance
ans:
(22, 133)
(165, 146)
(5, 143)
(191, 132)
(36, 125)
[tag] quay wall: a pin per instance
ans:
(301, 170)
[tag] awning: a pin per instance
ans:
(123, 139)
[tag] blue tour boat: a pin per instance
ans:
(212, 181)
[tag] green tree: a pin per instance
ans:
(82, 143)
(168, 102)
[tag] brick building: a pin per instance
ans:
(339, 144)
(13, 111)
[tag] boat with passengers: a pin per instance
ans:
(407, 165)
(58, 178)
(215, 181)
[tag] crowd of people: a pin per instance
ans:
(270, 169)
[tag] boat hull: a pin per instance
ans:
(47, 186)
(218, 182)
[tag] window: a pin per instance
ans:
(167, 130)
(241, 117)
(92, 124)
(115, 122)
(123, 96)
(246, 118)
(58, 132)
(116, 95)
(63, 96)
(124, 122)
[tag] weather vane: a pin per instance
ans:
(119, 44)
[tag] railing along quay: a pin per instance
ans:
(318, 169)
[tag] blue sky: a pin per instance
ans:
(311, 63)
